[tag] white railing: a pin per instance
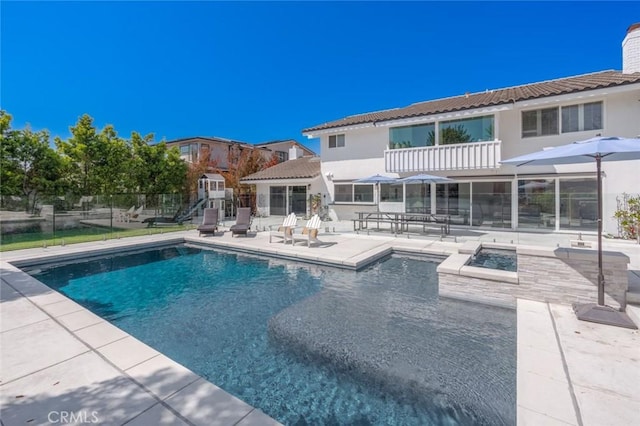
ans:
(211, 195)
(462, 156)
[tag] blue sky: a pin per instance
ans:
(264, 71)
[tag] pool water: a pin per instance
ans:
(309, 344)
(504, 260)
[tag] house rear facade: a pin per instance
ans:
(465, 138)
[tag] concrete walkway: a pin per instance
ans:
(58, 357)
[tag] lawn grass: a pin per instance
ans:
(79, 235)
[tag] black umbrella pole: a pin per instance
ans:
(600, 274)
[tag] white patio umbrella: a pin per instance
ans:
(377, 179)
(424, 178)
(599, 149)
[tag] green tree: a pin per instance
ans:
(30, 166)
(82, 151)
(111, 163)
(100, 162)
(156, 169)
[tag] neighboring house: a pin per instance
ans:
(287, 187)
(218, 149)
(465, 137)
(281, 148)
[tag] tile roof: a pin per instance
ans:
(213, 176)
(488, 98)
(292, 141)
(300, 168)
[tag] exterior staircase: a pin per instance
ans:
(187, 214)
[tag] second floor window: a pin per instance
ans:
(476, 129)
(336, 141)
(411, 136)
(578, 118)
(282, 156)
(540, 122)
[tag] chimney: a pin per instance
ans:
(631, 50)
(295, 152)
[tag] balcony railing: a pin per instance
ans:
(211, 195)
(462, 156)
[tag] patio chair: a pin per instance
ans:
(124, 216)
(243, 222)
(209, 222)
(309, 232)
(285, 230)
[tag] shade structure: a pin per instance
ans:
(377, 179)
(597, 149)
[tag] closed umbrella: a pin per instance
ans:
(377, 179)
(425, 179)
(597, 149)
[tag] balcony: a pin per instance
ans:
(462, 156)
(215, 195)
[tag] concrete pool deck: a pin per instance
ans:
(57, 357)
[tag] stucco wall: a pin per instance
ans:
(262, 191)
(363, 153)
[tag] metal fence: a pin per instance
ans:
(45, 220)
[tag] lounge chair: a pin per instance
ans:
(135, 214)
(209, 221)
(284, 231)
(124, 216)
(243, 222)
(309, 232)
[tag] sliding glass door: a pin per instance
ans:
(278, 201)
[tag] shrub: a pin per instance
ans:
(628, 215)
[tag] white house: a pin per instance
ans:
(465, 137)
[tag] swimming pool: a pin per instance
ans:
(309, 344)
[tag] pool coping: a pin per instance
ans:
(120, 357)
(561, 404)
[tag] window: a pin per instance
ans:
(476, 129)
(221, 186)
(577, 118)
(282, 156)
(391, 193)
(336, 141)
(343, 193)
(353, 193)
(410, 136)
(363, 193)
(184, 150)
(540, 122)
